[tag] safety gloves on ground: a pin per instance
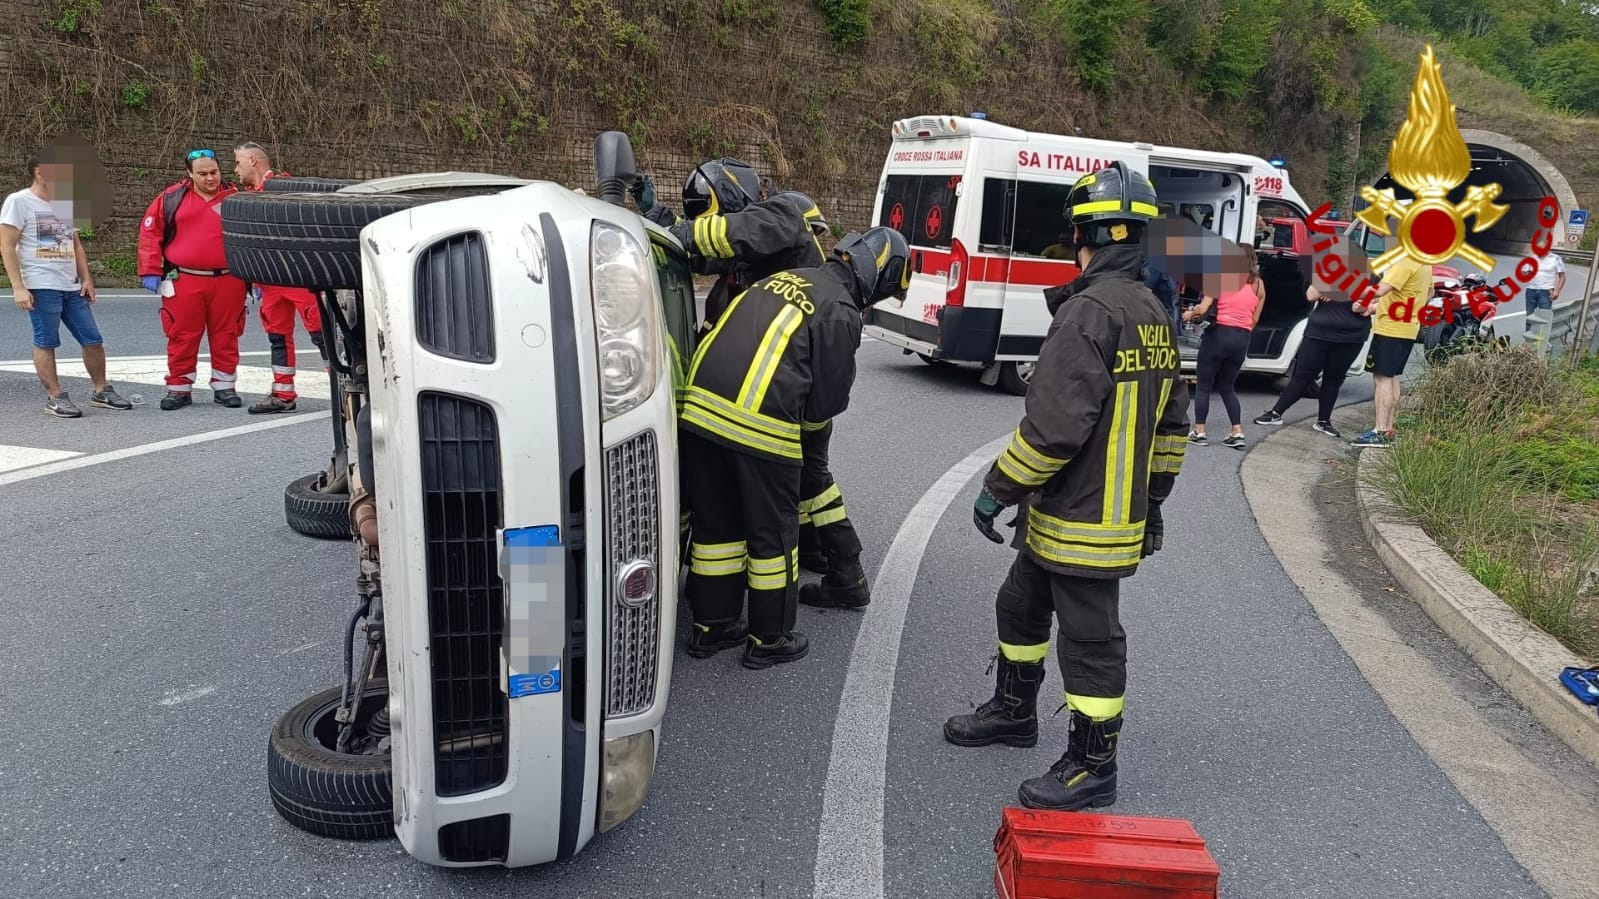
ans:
(643, 191)
(151, 283)
(1154, 530)
(984, 511)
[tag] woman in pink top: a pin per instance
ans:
(1222, 349)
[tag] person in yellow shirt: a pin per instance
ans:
(1397, 307)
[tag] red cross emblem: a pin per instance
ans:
(935, 221)
(896, 218)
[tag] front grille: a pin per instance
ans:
(461, 515)
(632, 532)
(476, 840)
(454, 304)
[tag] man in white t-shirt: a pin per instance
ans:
(49, 274)
(1545, 287)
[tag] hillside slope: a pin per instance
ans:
(806, 89)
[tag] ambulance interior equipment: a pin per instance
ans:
(505, 353)
(982, 205)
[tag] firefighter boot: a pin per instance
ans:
(706, 640)
(1085, 777)
(1010, 717)
(765, 652)
(844, 587)
(810, 550)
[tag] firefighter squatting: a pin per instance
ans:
(1338, 273)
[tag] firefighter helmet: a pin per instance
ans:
(813, 213)
(1112, 205)
(881, 261)
(720, 186)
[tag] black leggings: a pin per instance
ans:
(1316, 357)
(1221, 355)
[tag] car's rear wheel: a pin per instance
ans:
(310, 240)
(323, 791)
(314, 511)
(1015, 376)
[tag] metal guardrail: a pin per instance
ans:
(1580, 257)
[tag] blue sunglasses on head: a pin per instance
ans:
(196, 154)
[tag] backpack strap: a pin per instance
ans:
(170, 201)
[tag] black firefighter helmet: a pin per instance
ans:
(813, 213)
(719, 187)
(881, 261)
(1112, 205)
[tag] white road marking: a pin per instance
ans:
(849, 846)
(11, 364)
(39, 471)
(174, 697)
(290, 652)
(151, 372)
(15, 457)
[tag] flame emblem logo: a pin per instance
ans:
(1429, 158)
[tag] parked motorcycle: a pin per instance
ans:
(1463, 326)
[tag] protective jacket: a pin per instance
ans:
(1105, 423)
(781, 359)
(745, 246)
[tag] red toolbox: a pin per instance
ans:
(1076, 855)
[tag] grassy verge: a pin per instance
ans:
(1499, 462)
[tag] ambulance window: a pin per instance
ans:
(999, 209)
(921, 207)
(1041, 218)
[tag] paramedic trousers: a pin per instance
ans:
(745, 537)
(1092, 648)
(278, 308)
(210, 306)
(824, 523)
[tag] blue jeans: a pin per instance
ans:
(1537, 298)
(53, 307)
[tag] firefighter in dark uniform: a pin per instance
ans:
(780, 357)
(1097, 451)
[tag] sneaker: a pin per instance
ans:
(228, 397)
(61, 406)
(1236, 441)
(1198, 439)
(175, 400)
(1326, 428)
(109, 399)
(1269, 417)
(1372, 437)
(273, 403)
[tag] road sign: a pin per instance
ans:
(1578, 218)
(1573, 237)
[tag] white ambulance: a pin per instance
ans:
(982, 206)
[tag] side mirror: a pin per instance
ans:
(614, 168)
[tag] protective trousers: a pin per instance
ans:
(745, 536)
(1093, 646)
(278, 308)
(211, 306)
(825, 527)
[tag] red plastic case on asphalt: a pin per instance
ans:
(1067, 855)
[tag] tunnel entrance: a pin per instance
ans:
(1525, 176)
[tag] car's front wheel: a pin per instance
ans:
(314, 511)
(315, 787)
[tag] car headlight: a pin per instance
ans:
(623, 282)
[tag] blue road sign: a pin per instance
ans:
(1578, 217)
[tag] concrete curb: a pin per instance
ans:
(1523, 660)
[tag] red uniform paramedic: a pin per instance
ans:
(181, 259)
(252, 166)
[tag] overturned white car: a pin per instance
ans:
(504, 356)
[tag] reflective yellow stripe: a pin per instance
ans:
(775, 428)
(716, 330)
(1082, 543)
(1016, 653)
(1160, 411)
(804, 517)
(719, 550)
(812, 426)
(770, 352)
(820, 499)
(1145, 209)
(829, 516)
(768, 574)
(719, 233)
(1118, 503)
(1025, 452)
(1168, 454)
(1097, 708)
(1025, 465)
(694, 414)
(716, 569)
(716, 559)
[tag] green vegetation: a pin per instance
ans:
(1498, 460)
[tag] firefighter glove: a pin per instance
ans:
(643, 191)
(151, 283)
(984, 512)
(1154, 530)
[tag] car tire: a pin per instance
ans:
(1013, 377)
(309, 240)
(313, 513)
(306, 185)
(322, 791)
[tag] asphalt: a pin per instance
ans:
(162, 616)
